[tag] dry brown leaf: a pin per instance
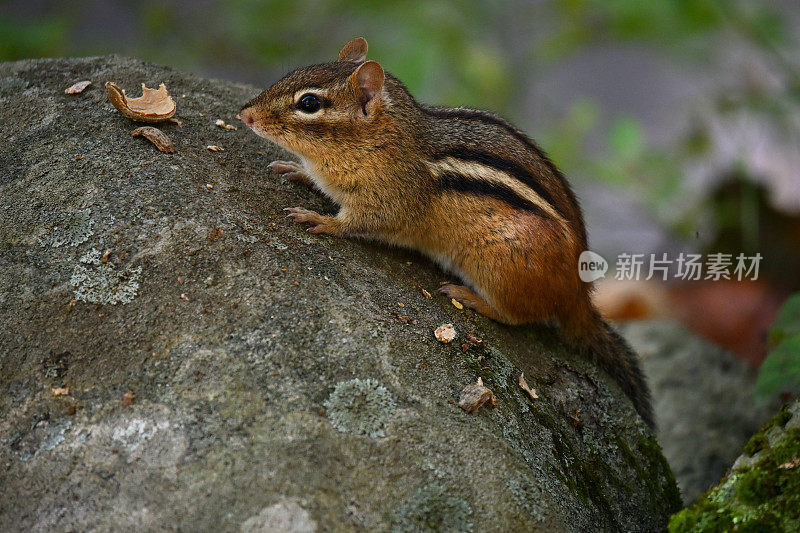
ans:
(155, 105)
(60, 391)
(128, 397)
(524, 384)
(456, 304)
(445, 333)
(426, 294)
(214, 148)
(155, 136)
(78, 87)
(475, 395)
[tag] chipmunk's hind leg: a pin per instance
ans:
(294, 172)
(471, 299)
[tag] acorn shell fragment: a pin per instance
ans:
(155, 136)
(155, 105)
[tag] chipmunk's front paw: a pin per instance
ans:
(294, 172)
(319, 223)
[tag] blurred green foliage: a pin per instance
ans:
(39, 39)
(780, 371)
(691, 31)
(426, 43)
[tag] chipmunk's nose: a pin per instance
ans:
(246, 116)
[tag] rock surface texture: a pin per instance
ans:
(176, 355)
(702, 398)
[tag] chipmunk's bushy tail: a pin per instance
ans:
(599, 342)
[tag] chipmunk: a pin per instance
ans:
(462, 186)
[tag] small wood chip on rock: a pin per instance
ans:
(78, 87)
(475, 395)
(221, 124)
(128, 397)
(524, 384)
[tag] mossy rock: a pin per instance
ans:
(176, 354)
(761, 492)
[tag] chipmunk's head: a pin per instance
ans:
(313, 110)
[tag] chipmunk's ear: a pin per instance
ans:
(367, 80)
(355, 50)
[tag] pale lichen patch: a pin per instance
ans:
(360, 407)
(284, 516)
(97, 282)
(71, 229)
(433, 508)
(527, 495)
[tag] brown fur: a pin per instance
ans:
(374, 150)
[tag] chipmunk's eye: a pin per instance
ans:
(309, 103)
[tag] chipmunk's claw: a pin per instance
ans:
(301, 214)
(282, 167)
(293, 172)
(319, 223)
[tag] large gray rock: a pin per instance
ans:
(702, 399)
(283, 380)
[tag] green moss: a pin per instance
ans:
(360, 407)
(588, 474)
(784, 416)
(700, 520)
(480, 361)
(653, 456)
(756, 443)
(432, 508)
(759, 441)
(587, 478)
(761, 495)
(754, 489)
